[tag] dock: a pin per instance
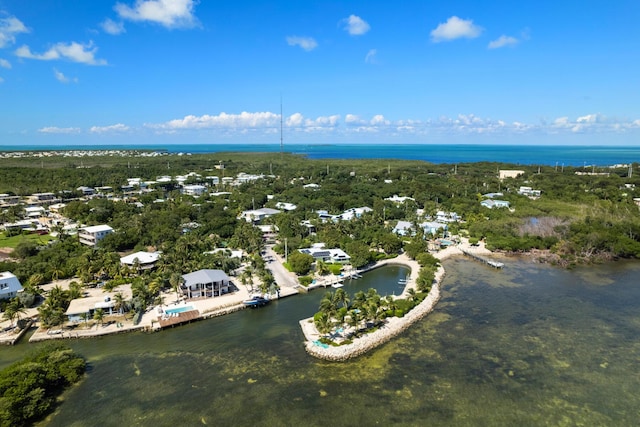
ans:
(494, 264)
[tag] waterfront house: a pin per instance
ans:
(319, 252)
(9, 285)
(82, 309)
(205, 284)
(92, 235)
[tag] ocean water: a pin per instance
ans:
(527, 345)
(435, 153)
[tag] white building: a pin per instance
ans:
(398, 199)
(194, 190)
(205, 283)
(258, 215)
(319, 252)
(286, 206)
(9, 285)
(145, 260)
(90, 236)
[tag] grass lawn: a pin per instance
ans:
(12, 242)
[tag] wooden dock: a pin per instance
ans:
(494, 264)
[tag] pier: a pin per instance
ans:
(487, 261)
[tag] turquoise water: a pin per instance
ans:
(179, 309)
(527, 345)
(434, 153)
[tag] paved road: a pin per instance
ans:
(283, 277)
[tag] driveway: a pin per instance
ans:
(283, 277)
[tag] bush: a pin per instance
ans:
(305, 280)
(399, 313)
(29, 388)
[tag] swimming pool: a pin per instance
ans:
(179, 309)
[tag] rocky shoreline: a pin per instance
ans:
(392, 327)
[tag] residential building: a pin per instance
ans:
(258, 215)
(286, 206)
(9, 285)
(81, 308)
(398, 199)
(194, 190)
(529, 192)
(493, 203)
(403, 228)
(92, 235)
(442, 216)
(143, 260)
(205, 284)
(319, 252)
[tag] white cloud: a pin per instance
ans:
(62, 78)
(355, 25)
(113, 128)
(75, 52)
(5, 64)
(222, 120)
(168, 13)
(54, 129)
(455, 28)
(503, 41)
(9, 27)
(112, 27)
(267, 124)
(379, 119)
(371, 56)
(306, 43)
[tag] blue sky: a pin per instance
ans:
(366, 71)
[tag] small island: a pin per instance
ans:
(352, 337)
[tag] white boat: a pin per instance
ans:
(337, 285)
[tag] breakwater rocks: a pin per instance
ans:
(391, 328)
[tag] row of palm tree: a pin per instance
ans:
(364, 310)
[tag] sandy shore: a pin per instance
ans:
(392, 326)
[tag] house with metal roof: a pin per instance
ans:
(9, 285)
(205, 284)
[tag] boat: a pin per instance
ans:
(337, 285)
(256, 301)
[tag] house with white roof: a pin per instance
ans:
(319, 252)
(398, 199)
(403, 228)
(493, 203)
(352, 213)
(194, 189)
(258, 215)
(106, 301)
(286, 206)
(205, 284)
(9, 285)
(144, 260)
(433, 227)
(92, 235)
(442, 216)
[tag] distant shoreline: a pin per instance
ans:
(556, 155)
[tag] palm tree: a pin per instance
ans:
(328, 304)
(323, 323)
(75, 291)
(175, 280)
(342, 297)
(98, 316)
(118, 302)
(322, 267)
(13, 310)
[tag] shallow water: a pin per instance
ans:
(527, 345)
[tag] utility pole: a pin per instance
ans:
(286, 253)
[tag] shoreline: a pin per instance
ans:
(393, 326)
